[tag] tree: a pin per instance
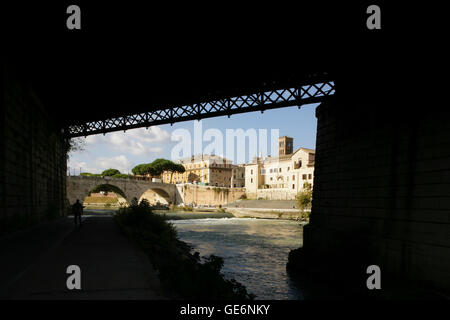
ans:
(157, 167)
(110, 172)
(121, 176)
(161, 165)
(304, 199)
(144, 169)
(175, 167)
(74, 145)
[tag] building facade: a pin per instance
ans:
(280, 177)
(238, 176)
(202, 169)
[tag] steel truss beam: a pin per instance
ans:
(303, 94)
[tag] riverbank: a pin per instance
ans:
(259, 213)
(182, 274)
(284, 214)
(264, 209)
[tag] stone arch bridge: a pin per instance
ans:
(78, 187)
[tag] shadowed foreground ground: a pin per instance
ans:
(34, 263)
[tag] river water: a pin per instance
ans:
(255, 251)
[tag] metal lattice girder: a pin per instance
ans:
(311, 93)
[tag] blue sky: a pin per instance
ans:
(125, 150)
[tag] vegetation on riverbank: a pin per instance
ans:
(182, 274)
(173, 207)
(304, 200)
(114, 173)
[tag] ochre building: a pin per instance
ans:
(203, 169)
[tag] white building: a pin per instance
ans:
(280, 177)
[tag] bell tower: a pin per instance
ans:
(285, 145)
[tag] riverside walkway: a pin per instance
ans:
(34, 262)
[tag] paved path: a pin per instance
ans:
(34, 263)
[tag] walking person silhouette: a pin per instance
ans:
(77, 211)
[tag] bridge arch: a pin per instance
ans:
(156, 195)
(108, 188)
(78, 187)
(82, 190)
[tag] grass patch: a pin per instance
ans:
(182, 274)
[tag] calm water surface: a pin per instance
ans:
(255, 251)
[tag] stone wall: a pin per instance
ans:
(32, 158)
(208, 195)
(264, 204)
(382, 190)
(272, 194)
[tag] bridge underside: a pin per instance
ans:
(315, 89)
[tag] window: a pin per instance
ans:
(279, 170)
(304, 177)
(289, 168)
(293, 186)
(310, 176)
(251, 180)
(242, 175)
(271, 178)
(251, 172)
(293, 177)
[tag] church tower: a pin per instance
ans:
(285, 145)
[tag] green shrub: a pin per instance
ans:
(182, 274)
(304, 200)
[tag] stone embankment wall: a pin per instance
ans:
(272, 194)
(32, 158)
(209, 195)
(268, 209)
(264, 204)
(382, 189)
